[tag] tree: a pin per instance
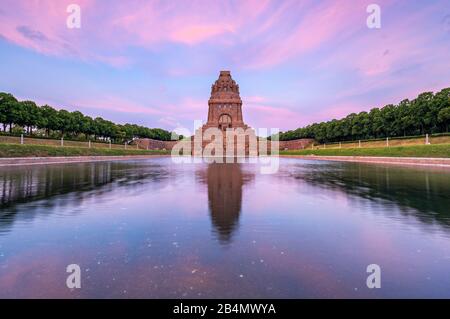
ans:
(65, 122)
(29, 115)
(444, 117)
(8, 106)
(420, 112)
(419, 116)
(377, 124)
(88, 127)
(441, 101)
(389, 120)
(48, 120)
(76, 122)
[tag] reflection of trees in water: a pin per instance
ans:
(225, 181)
(22, 186)
(426, 190)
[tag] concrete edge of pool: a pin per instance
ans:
(406, 161)
(19, 161)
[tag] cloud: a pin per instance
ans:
(117, 104)
(149, 24)
(46, 32)
(259, 112)
(169, 121)
(31, 34)
(198, 33)
(256, 33)
(315, 24)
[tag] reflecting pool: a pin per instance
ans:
(156, 229)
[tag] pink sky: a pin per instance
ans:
(153, 62)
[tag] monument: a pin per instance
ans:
(224, 128)
(225, 114)
(225, 104)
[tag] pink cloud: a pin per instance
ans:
(198, 33)
(337, 111)
(186, 111)
(258, 109)
(259, 24)
(117, 104)
(41, 26)
(169, 121)
(320, 24)
(382, 52)
(170, 115)
(151, 23)
(254, 99)
(264, 115)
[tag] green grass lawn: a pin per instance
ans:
(17, 150)
(441, 150)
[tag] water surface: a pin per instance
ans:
(155, 229)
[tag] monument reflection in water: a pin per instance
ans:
(225, 183)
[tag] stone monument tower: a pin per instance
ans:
(225, 104)
(225, 109)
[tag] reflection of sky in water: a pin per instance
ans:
(157, 229)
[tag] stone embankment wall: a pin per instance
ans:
(149, 144)
(168, 145)
(299, 144)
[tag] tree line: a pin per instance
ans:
(19, 117)
(428, 113)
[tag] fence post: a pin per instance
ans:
(89, 143)
(387, 141)
(427, 140)
(109, 144)
(21, 139)
(312, 146)
(137, 146)
(62, 141)
(125, 145)
(340, 144)
(359, 143)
